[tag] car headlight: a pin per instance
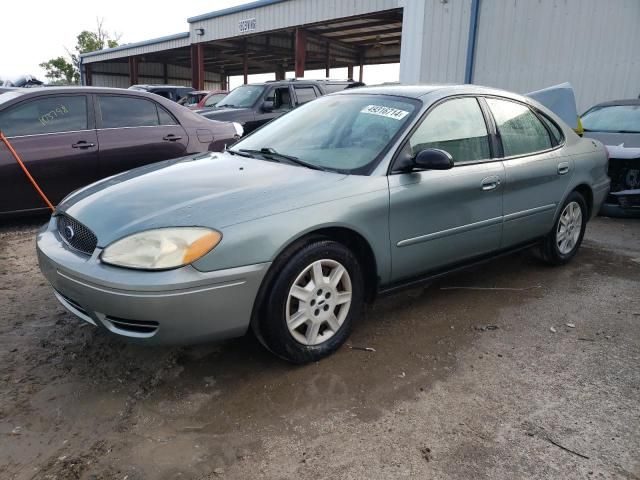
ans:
(161, 249)
(239, 129)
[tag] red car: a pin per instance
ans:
(202, 98)
(69, 137)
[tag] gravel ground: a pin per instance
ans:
(464, 383)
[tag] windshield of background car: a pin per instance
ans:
(213, 99)
(613, 118)
(343, 133)
(243, 97)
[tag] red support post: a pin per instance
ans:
(245, 64)
(327, 68)
(87, 75)
(350, 72)
(223, 81)
(361, 79)
(197, 66)
(301, 51)
(133, 70)
(280, 72)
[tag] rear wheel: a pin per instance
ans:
(564, 240)
(315, 297)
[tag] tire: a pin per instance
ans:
(295, 321)
(563, 241)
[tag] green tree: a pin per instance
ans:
(61, 70)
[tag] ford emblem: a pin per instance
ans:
(68, 232)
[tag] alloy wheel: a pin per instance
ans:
(569, 228)
(318, 302)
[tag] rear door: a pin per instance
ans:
(135, 131)
(442, 217)
(55, 137)
(537, 175)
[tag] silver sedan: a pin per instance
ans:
(289, 232)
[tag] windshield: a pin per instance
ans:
(343, 133)
(614, 118)
(243, 97)
(191, 99)
(213, 99)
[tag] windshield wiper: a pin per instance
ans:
(242, 153)
(271, 153)
(226, 105)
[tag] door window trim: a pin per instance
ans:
(98, 112)
(489, 124)
(91, 124)
(535, 113)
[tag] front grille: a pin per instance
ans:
(76, 235)
(624, 173)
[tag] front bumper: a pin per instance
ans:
(173, 307)
(625, 203)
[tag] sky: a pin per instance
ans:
(27, 39)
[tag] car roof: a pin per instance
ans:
(418, 91)
(612, 103)
(159, 86)
(36, 91)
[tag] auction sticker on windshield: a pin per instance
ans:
(388, 112)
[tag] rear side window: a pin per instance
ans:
(334, 87)
(556, 133)
(520, 130)
(305, 94)
(54, 114)
(119, 112)
(455, 126)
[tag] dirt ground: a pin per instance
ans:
(464, 383)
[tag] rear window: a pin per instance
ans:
(54, 114)
(334, 87)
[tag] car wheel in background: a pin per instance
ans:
(563, 242)
(316, 294)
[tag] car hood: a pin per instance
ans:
(224, 113)
(620, 145)
(212, 190)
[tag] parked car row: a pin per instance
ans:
(292, 229)
(72, 136)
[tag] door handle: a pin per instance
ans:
(490, 183)
(563, 168)
(83, 144)
(171, 138)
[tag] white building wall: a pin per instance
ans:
(434, 40)
(526, 45)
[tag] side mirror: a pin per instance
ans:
(267, 106)
(433, 159)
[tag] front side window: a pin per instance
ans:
(119, 112)
(305, 94)
(520, 130)
(456, 126)
(281, 98)
(52, 114)
(613, 118)
(346, 133)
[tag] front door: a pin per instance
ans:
(54, 137)
(439, 218)
(135, 131)
(282, 103)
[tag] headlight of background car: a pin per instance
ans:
(239, 129)
(162, 248)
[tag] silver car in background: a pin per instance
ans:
(295, 227)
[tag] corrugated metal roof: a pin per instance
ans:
(230, 10)
(160, 43)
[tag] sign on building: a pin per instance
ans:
(247, 25)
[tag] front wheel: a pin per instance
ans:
(315, 297)
(563, 242)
